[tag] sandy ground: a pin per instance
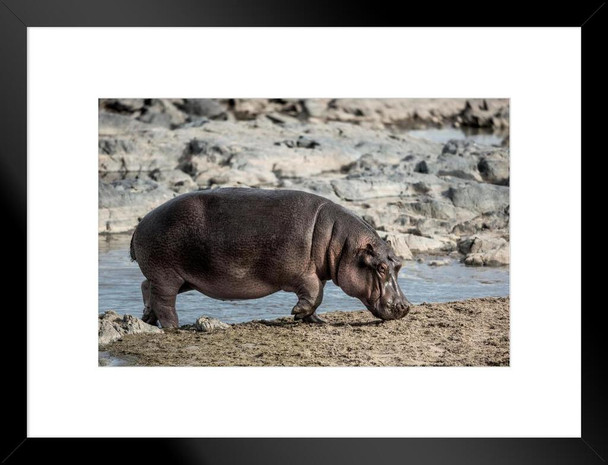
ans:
(473, 332)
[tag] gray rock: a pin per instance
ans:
(224, 176)
(282, 119)
(139, 151)
(367, 188)
(474, 260)
(485, 251)
(112, 327)
(491, 221)
(459, 147)
(420, 244)
(392, 111)
(399, 244)
(122, 105)
(163, 113)
(123, 203)
(366, 163)
(480, 244)
(422, 167)
(480, 197)
(306, 142)
(437, 208)
(464, 168)
(209, 108)
(438, 262)
(130, 191)
(316, 107)
(318, 185)
(207, 324)
(249, 109)
(308, 165)
(113, 123)
(431, 227)
(176, 180)
(494, 168)
(498, 257)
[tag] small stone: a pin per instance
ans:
(207, 324)
(439, 262)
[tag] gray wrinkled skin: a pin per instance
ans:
(233, 244)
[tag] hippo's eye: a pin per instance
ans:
(382, 268)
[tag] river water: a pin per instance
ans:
(120, 279)
(443, 135)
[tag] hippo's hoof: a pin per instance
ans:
(149, 317)
(314, 318)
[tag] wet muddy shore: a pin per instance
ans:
(472, 332)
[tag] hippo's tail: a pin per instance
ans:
(132, 249)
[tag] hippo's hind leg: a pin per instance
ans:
(148, 316)
(162, 301)
(310, 295)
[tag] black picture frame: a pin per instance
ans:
(17, 15)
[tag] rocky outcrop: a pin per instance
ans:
(485, 250)
(113, 327)
(174, 113)
(123, 203)
(426, 196)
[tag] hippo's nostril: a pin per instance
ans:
(403, 308)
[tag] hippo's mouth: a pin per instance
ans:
(388, 314)
(373, 310)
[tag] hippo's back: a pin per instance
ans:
(238, 229)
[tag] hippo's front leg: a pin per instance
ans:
(310, 296)
(314, 318)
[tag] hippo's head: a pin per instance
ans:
(370, 274)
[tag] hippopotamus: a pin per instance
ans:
(245, 243)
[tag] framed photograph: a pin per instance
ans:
(279, 207)
(299, 242)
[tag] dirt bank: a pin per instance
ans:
(474, 332)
